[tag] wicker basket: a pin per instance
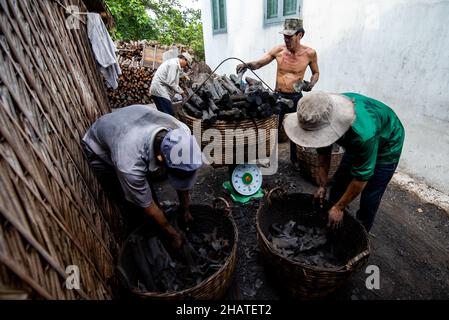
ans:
(308, 162)
(216, 285)
(305, 281)
(229, 143)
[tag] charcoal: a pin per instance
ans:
(146, 277)
(225, 102)
(209, 116)
(235, 79)
(229, 114)
(253, 82)
(231, 84)
(160, 269)
(240, 104)
(193, 111)
(229, 87)
(220, 90)
(238, 97)
(209, 87)
(218, 98)
(305, 244)
(196, 100)
(212, 106)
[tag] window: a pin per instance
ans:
(277, 10)
(218, 16)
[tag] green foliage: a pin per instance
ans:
(169, 23)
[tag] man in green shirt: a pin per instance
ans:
(372, 136)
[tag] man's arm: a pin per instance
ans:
(157, 215)
(335, 214)
(137, 190)
(313, 65)
(362, 170)
(184, 200)
(354, 188)
(266, 59)
(324, 160)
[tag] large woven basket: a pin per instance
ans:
(264, 125)
(309, 166)
(298, 279)
(216, 285)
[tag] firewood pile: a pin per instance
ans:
(135, 80)
(134, 84)
(231, 99)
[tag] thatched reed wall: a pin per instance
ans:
(52, 211)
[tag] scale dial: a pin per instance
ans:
(246, 179)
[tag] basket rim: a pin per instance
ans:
(186, 292)
(309, 150)
(347, 268)
(182, 113)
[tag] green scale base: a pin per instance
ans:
(238, 197)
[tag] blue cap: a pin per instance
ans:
(183, 158)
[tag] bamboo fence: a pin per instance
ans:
(53, 212)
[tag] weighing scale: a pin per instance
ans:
(245, 179)
(245, 183)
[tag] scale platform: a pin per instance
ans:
(245, 183)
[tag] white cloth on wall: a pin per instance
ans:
(104, 49)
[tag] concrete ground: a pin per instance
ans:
(409, 241)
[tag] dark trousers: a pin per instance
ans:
(295, 97)
(164, 105)
(371, 194)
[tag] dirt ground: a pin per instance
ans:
(409, 241)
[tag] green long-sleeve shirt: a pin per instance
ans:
(375, 137)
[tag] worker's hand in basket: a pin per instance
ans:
(320, 196)
(335, 218)
(188, 219)
(177, 240)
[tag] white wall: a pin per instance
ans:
(396, 51)
(246, 37)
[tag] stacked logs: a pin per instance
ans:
(135, 80)
(230, 99)
(134, 84)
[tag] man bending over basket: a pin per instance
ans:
(124, 146)
(372, 136)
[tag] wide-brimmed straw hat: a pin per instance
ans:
(320, 120)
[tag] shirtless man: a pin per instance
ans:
(292, 61)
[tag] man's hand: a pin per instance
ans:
(176, 240)
(156, 213)
(307, 86)
(335, 218)
(188, 219)
(320, 196)
(241, 68)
